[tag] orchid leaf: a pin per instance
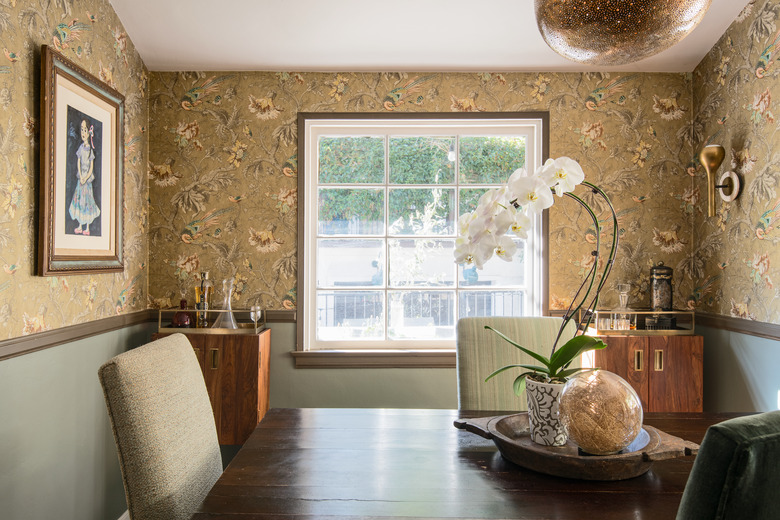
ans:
(533, 368)
(519, 384)
(502, 369)
(573, 348)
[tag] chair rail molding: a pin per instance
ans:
(51, 338)
(741, 325)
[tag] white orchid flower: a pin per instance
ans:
(482, 233)
(520, 172)
(531, 193)
(493, 201)
(562, 174)
(471, 252)
(464, 223)
(503, 219)
(521, 225)
(503, 247)
(493, 214)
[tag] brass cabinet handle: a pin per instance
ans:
(639, 360)
(659, 360)
(214, 358)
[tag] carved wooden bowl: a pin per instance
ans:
(512, 438)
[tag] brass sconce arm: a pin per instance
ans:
(711, 157)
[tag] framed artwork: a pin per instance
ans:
(81, 184)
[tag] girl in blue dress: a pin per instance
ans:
(83, 208)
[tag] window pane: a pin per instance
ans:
(421, 263)
(490, 303)
(422, 211)
(344, 211)
(349, 262)
(352, 160)
(422, 315)
(421, 160)
(496, 272)
(469, 198)
(490, 160)
(350, 315)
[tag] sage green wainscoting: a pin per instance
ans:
(57, 453)
(741, 372)
(354, 387)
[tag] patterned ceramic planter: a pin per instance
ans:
(543, 412)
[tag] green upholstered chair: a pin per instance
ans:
(736, 474)
(164, 428)
(481, 351)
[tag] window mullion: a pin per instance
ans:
(385, 241)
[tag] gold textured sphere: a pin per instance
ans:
(616, 32)
(600, 412)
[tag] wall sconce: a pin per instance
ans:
(711, 157)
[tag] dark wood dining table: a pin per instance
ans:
(400, 463)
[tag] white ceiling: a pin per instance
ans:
(368, 35)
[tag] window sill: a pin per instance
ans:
(444, 358)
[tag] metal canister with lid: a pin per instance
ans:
(661, 287)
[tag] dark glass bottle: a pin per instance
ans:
(203, 295)
(182, 319)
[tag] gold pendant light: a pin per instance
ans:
(616, 32)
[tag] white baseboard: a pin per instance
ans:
(125, 516)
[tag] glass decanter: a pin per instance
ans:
(622, 318)
(226, 320)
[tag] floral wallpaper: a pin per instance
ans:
(89, 33)
(217, 187)
(735, 262)
(223, 168)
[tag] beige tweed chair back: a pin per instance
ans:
(481, 351)
(164, 428)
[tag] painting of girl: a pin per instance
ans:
(81, 171)
(84, 174)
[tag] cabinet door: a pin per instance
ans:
(626, 356)
(676, 373)
(238, 368)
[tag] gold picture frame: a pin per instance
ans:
(81, 182)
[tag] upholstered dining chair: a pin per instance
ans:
(163, 427)
(735, 474)
(481, 351)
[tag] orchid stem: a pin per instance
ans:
(591, 276)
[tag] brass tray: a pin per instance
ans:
(511, 435)
(246, 324)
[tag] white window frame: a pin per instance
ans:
(532, 126)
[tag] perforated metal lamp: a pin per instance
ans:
(616, 32)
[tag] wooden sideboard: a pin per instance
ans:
(236, 370)
(666, 371)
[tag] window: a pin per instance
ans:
(378, 223)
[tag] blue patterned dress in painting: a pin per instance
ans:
(83, 207)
